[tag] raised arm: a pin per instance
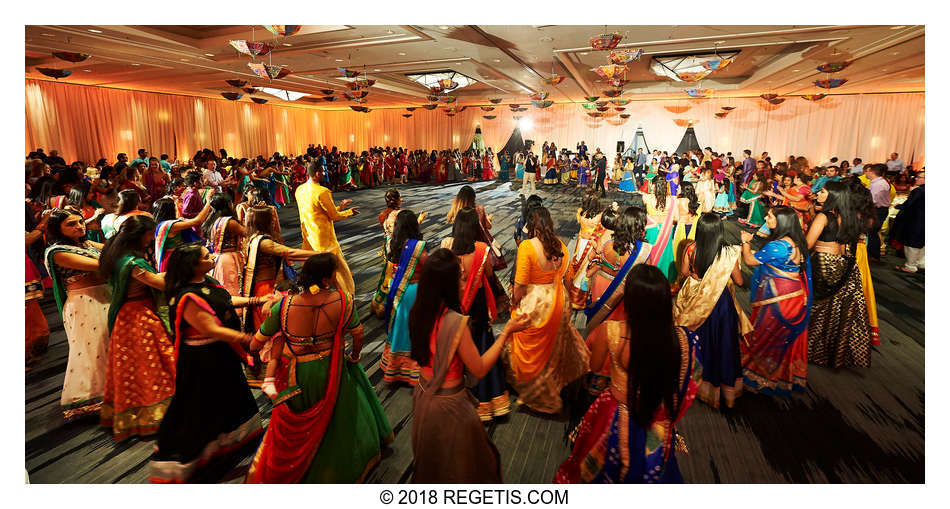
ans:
(198, 220)
(335, 214)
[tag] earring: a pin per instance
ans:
(313, 289)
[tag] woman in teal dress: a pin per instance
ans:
(504, 162)
(752, 196)
(327, 425)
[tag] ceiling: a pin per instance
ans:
(507, 62)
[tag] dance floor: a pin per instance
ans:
(852, 425)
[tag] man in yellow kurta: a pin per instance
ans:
(317, 214)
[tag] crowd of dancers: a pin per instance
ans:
(178, 296)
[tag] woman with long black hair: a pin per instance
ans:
(212, 410)
(839, 332)
(629, 434)
(706, 303)
(173, 231)
(127, 206)
(225, 237)
(81, 200)
(466, 199)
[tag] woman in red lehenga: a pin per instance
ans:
(439, 168)
(488, 171)
(366, 169)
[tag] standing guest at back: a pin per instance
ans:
(881, 195)
(909, 227)
(895, 165)
(748, 166)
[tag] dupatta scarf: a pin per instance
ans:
(697, 298)
(411, 253)
(59, 286)
(605, 305)
(478, 278)
(121, 277)
(663, 238)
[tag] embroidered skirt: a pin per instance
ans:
(86, 321)
(838, 333)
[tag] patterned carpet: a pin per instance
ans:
(850, 426)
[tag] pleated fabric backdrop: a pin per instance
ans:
(87, 122)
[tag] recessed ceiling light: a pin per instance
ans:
(898, 27)
(287, 44)
(795, 70)
(339, 60)
(444, 27)
(375, 70)
(895, 53)
(402, 54)
(209, 54)
(497, 61)
(720, 42)
(136, 64)
(184, 60)
(87, 70)
(583, 53)
(93, 30)
(48, 35)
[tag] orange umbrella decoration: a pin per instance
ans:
(284, 30)
(231, 96)
(251, 48)
(692, 77)
(833, 66)
(611, 71)
(514, 106)
(327, 91)
(347, 73)
(489, 117)
(237, 83)
(624, 56)
(722, 114)
(448, 99)
(539, 96)
(487, 108)
(718, 64)
(495, 101)
(411, 109)
(602, 103)
(603, 108)
(620, 102)
(331, 98)
(541, 104)
(683, 122)
(70, 56)
(814, 97)
(352, 86)
(259, 100)
(54, 73)
(432, 98)
(613, 93)
(768, 97)
(273, 72)
(728, 108)
(624, 115)
(364, 82)
(450, 114)
(591, 98)
(250, 90)
(698, 93)
(595, 114)
(555, 79)
(359, 94)
(604, 42)
(407, 115)
(831, 83)
(430, 106)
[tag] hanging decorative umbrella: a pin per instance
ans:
(448, 99)
(450, 114)
(692, 77)
(717, 64)
(554, 79)
(259, 100)
(613, 93)
(728, 108)
(266, 71)
(780, 100)
(589, 106)
(432, 98)
(603, 42)
(722, 114)
(591, 98)
(620, 102)
(356, 108)
(347, 73)
(768, 97)
(359, 100)
(70, 56)
(541, 104)
(487, 108)
(624, 56)
(521, 109)
(236, 83)
(618, 108)
(352, 85)
(698, 93)
(514, 106)
(602, 103)
(618, 82)
(359, 94)
(595, 114)
(251, 48)
(331, 98)
(489, 117)
(430, 106)
(833, 66)
(327, 91)
(463, 108)
(831, 83)
(814, 97)
(250, 90)
(539, 96)
(516, 117)
(624, 115)
(447, 84)
(407, 115)
(411, 108)
(603, 108)
(495, 101)
(54, 73)
(231, 96)
(284, 30)
(364, 82)
(611, 71)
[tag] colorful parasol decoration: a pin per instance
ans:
(237, 83)
(722, 114)
(448, 99)
(814, 97)
(411, 108)
(259, 100)
(231, 96)
(347, 73)
(611, 71)
(487, 108)
(699, 93)
(539, 96)
(555, 79)
(541, 104)
(447, 84)
(603, 108)
(273, 72)
(625, 115)
(357, 108)
(364, 82)
(717, 64)
(619, 108)
(250, 90)
(331, 98)
(780, 100)
(251, 48)
(54, 73)
(728, 108)
(284, 30)
(620, 102)
(618, 82)
(591, 98)
(589, 106)
(359, 100)
(70, 56)
(495, 101)
(625, 56)
(595, 114)
(450, 114)
(407, 115)
(521, 109)
(613, 93)
(327, 91)
(430, 106)
(833, 66)
(489, 117)
(514, 106)
(604, 42)
(831, 83)
(432, 98)
(602, 103)
(768, 97)
(352, 86)
(359, 94)
(692, 77)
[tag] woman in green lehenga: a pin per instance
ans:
(327, 425)
(752, 196)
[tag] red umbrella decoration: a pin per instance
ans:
(327, 91)
(487, 108)
(595, 114)
(250, 90)
(352, 86)
(364, 82)
(495, 101)
(231, 96)
(285, 30)
(514, 106)
(620, 102)
(489, 117)
(613, 93)
(554, 79)
(728, 108)
(692, 77)
(618, 82)
(698, 93)
(450, 114)
(273, 72)
(430, 106)
(624, 115)
(768, 97)
(347, 73)
(236, 83)
(70, 56)
(620, 108)
(539, 96)
(722, 114)
(448, 99)
(407, 115)
(541, 104)
(357, 108)
(624, 56)
(359, 94)
(54, 73)
(251, 48)
(603, 108)
(604, 42)
(411, 108)
(717, 64)
(833, 66)
(831, 83)
(611, 71)
(432, 98)
(602, 103)
(780, 100)
(259, 100)
(814, 97)
(331, 98)
(591, 98)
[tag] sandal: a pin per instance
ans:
(904, 269)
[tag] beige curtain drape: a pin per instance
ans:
(86, 122)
